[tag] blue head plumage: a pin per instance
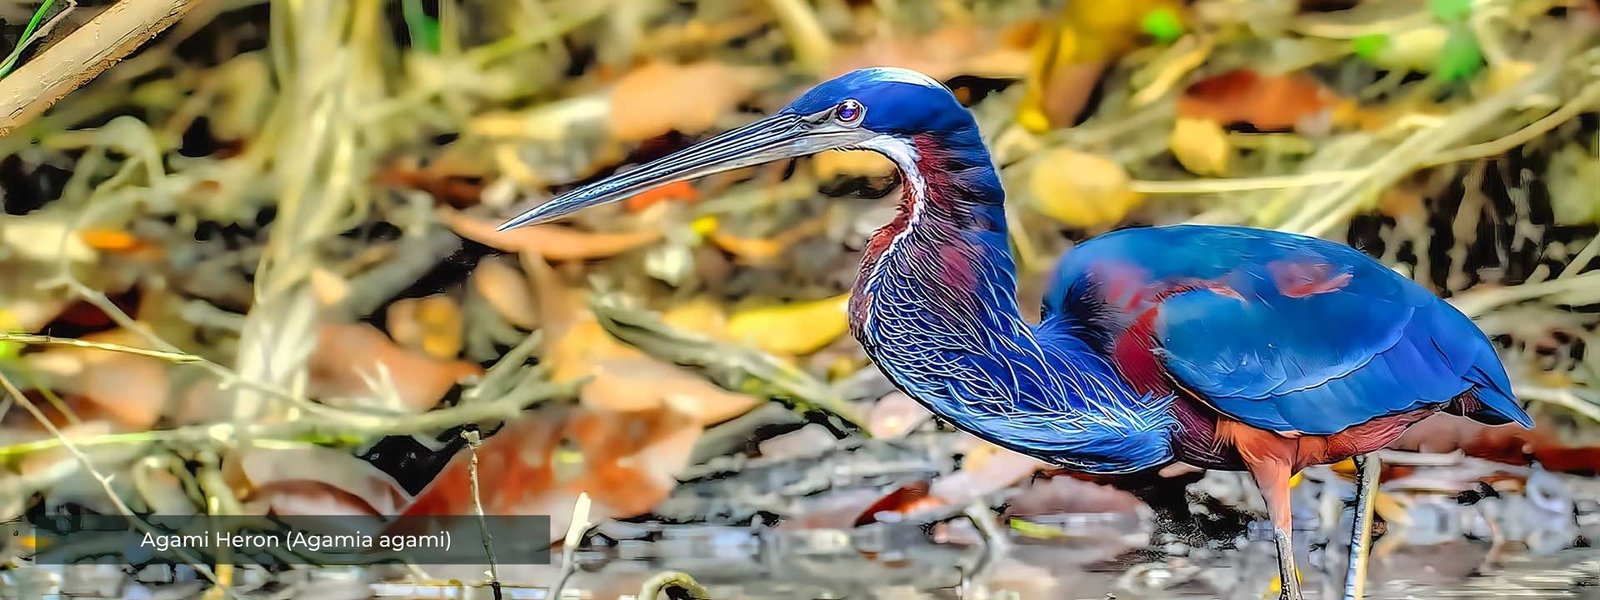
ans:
(898, 102)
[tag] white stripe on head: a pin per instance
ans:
(899, 75)
(905, 157)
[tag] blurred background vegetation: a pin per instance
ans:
(252, 266)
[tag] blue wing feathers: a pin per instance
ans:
(1289, 333)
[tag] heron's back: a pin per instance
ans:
(1279, 331)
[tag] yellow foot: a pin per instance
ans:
(1275, 589)
(1392, 509)
(1346, 467)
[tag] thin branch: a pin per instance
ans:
(45, 340)
(474, 441)
(1585, 101)
(1244, 184)
(501, 408)
(81, 56)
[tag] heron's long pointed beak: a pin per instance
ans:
(773, 138)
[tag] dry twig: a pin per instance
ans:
(474, 441)
(82, 55)
(45, 340)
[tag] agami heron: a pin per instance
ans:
(1217, 347)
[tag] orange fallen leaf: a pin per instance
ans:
(987, 469)
(643, 382)
(538, 464)
(621, 377)
(507, 291)
(1545, 443)
(553, 242)
(681, 191)
(1266, 102)
(907, 499)
(112, 240)
(454, 190)
(652, 100)
(330, 288)
(1401, 202)
(132, 390)
(348, 355)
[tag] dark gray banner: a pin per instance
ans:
(275, 540)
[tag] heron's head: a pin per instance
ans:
(882, 109)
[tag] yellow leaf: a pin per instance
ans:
(700, 315)
(797, 328)
(1505, 74)
(1072, 52)
(1081, 190)
(433, 325)
(760, 251)
(1391, 508)
(704, 226)
(1200, 146)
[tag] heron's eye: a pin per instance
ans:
(849, 112)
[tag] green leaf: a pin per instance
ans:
(1162, 24)
(1461, 57)
(27, 37)
(1450, 11)
(1370, 45)
(424, 29)
(9, 324)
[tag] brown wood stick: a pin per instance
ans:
(81, 56)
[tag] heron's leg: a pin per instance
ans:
(1268, 457)
(1271, 459)
(1355, 574)
(1274, 484)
